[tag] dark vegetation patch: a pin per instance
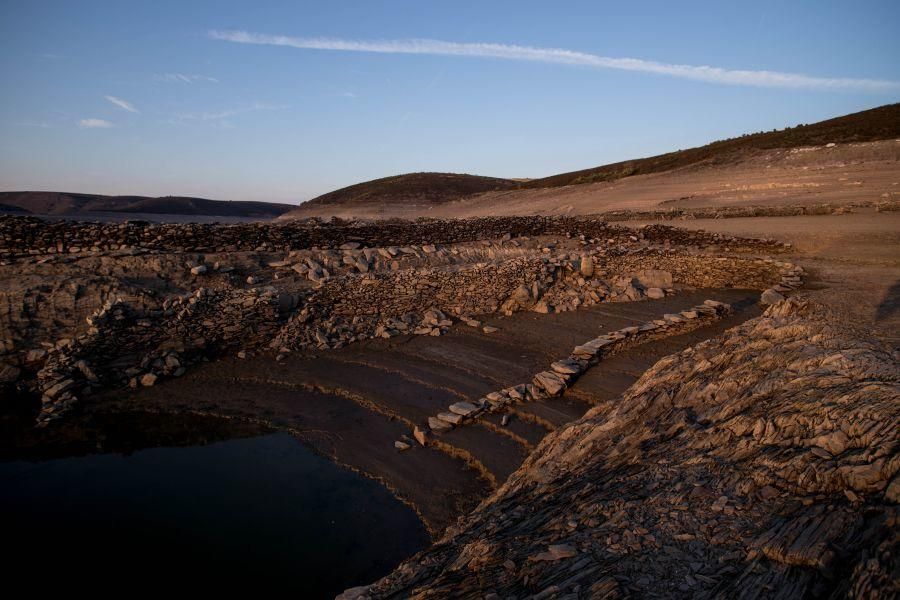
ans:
(870, 125)
(65, 203)
(430, 188)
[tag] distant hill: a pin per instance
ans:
(425, 188)
(9, 208)
(417, 194)
(64, 203)
(880, 123)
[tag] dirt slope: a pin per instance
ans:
(851, 158)
(870, 125)
(416, 191)
(840, 174)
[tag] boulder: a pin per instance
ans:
(449, 417)
(35, 355)
(542, 307)
(550, 382)
(566, 367)
(463, 408)
(770, 296)
(59, 388)
(354, 593)
(439, 425)
(587, 266)
(9, 373)
(421, 435)
(653, 278)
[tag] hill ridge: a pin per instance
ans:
(75, 203)
(427, 186)
(431, 189)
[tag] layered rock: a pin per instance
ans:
(125, 346)
(762, 463)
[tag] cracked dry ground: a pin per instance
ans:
(352, 403)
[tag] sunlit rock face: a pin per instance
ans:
(761, 462)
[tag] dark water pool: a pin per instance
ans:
(261, 513)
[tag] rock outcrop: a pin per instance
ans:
(115, 304)
(762, 463)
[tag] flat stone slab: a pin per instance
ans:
(550, 382)
(449, 417)
(463, 408)
(436, 424)
(566, 367)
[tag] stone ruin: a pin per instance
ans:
(309, 296)
(761, 463)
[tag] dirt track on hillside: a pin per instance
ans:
(853, 261)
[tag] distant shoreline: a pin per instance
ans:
(121, 217)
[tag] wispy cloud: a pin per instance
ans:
(219, 115)
(39, 124)
(709, 74)
(123, 104)
(94, 124)
(183, 78)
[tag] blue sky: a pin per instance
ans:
(202, 98)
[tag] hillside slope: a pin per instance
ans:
(880, 123)
(411, 189)
(414, 187)
(63, 203)
(853, 157)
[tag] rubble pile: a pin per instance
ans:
(124, 346)
(386, 304)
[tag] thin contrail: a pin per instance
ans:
(568, 57)
(123, 104)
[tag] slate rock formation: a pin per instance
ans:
(759, 464)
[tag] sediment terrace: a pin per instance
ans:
(375, 344)
(355, 402)
(759, 464)
(166, 296)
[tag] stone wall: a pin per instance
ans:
(886, 204)
(174, 294)
(700, 271)
(542, 283)
(130, 344)
(22, 236)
